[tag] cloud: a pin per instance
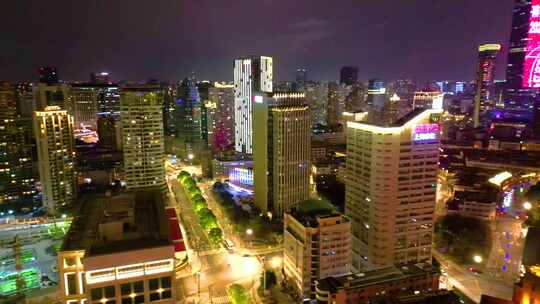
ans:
(303, 34)
(311, 23)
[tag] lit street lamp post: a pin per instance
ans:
(249, 232)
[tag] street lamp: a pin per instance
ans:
(527, 206)
(199, 285)
(477, 259)
(249, 232)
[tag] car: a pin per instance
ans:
(475, 271)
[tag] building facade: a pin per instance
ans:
(376, 94)
(85, 106)
(142, 134)
(428, 100)
(221, 95)
(391, 188)
(484, 99)
(16, 178)
(314, 248)
(379, 285)
(282, 149)
(348, 75)
(252, 76)
(101, 261)
(52, 95)
(53, 128)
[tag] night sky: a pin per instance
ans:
(169, 39)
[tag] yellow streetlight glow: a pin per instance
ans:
(477, 259)
(527, 206)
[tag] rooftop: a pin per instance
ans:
(120, 222)
(374, 277)
(377, 124)
(311, 212)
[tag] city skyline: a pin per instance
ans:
(366, 34)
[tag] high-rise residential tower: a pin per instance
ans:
(16, 181)
(348, 75)
(391, 189)
(142, 133)
(53, 128)
(252, 75)
(484, 99)
(281, 151)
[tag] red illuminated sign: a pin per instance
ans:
(531, 66)
(427, 128)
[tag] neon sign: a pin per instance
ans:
(531, 65)
(424, 132)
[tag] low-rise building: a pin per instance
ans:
(120, 251)
(371, 286)
(482, 210)
(316, 245)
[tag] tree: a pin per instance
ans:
(463, 236)
(533, 194)
(216, 236)
(207, 219)
(238, 294)
(195, 192)
(189, 182)
(197, 197)
(199, 204)
(183, 175)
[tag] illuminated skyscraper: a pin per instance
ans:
(281, 151)
(142, 133)
(376, 95)
(187, 119)
(222, 126)
(252, 75)
(484, 99)
(348, 75)
(391, 189)
(523, 53)
(85, 106)
(317, 99)
(16, 181)
(53, 128)
(332, 110)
